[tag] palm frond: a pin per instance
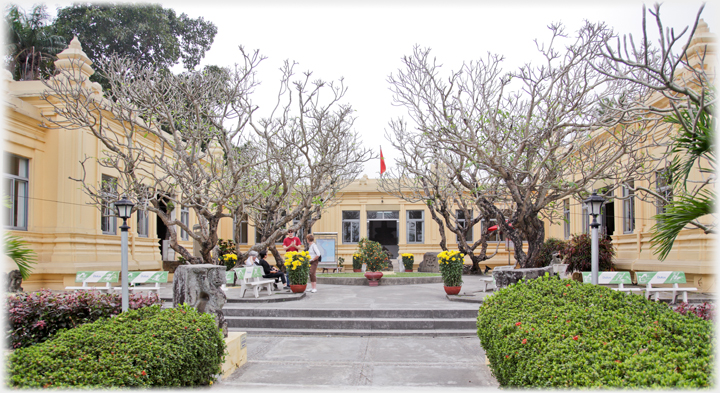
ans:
(678, 214)
(17, 250)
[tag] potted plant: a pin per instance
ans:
(451, 267)
(341, 263)
(357, 262)
(408, 261)
(297, 264)
(230, 260)
(375, 258)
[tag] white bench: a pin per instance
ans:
(610, 278)
(157, 278)
(103, 276)
(325, 266)
(252, 278)
(666, 277)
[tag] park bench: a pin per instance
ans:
(611, 278)
(103, 276)
(229, 279)
(655, 278)
(330, 265)
(252, 278)
(151, 277)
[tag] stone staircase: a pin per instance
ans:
(349, 322)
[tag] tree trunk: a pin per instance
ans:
(278, 259)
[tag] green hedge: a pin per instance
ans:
(561, 333)
(145, 347)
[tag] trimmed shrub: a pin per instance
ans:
(551, 246)
(705, 311)
(35, 316)
(372, 254)
(563, 334)
(145, 347)
(578, 257)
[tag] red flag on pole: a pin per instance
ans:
(382, 162)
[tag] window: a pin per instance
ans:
(16, 188)
(415, 226)
(185, 219)
(382, 215)
(629, 207)
(462, 222)
(142, 223)
(566, 216)
(351, 226)
(108, 220)
(494, 236)
(664, 188)
(243, 229)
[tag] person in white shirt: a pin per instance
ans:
(315, 255)
(252, 257)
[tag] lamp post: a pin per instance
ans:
(594, 203)
(123, 208)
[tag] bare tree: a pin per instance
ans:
(676, 71)
(449, 188)
(172, 139)
(310, 129)
(547, 132)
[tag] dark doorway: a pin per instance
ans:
(162, 230)
(385, 232)
(608, 219)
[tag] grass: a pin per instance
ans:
(385, 274)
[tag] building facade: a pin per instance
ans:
(50, 210)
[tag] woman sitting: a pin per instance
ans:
(270, 272)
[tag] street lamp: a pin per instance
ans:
(593, 204)
(124, 208)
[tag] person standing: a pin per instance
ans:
(291, 243)
(315, 256)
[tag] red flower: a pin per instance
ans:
(507, 356)
(144, 373)
(567, 285)
(198, 329)
(568, 321)
(518, 323)
(524, 341)
(655, 322)
(575, 338)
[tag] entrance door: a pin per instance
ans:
(383, 227)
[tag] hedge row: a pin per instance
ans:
(561, 333)
(145, 347)
(33, 317)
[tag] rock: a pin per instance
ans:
(200, 286)
(556, 259)
(14, 281)
(503, 278)
(429, 263)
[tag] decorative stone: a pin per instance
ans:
(200, 286)
(429, 263)
(503, 278)
(14, 281)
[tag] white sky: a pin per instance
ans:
(365, 41)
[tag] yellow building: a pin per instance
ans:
(53, 214)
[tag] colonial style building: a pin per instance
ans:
(51, 212)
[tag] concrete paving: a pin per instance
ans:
(365, 362)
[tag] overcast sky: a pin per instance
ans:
(365, 41)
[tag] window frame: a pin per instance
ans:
(243, 228)
(415, 221)
(108, 210)
(13, 212)
(464, 221)
(185, 219)
(352, 222)
(497, 235)
(629, 208)
(143, 223)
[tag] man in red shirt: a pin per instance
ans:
(291, 242)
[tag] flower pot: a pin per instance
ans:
(408, 270)
(373, 278)
(452, 290)
(357, 270)
(298, 288)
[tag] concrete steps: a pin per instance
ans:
(349, 322)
